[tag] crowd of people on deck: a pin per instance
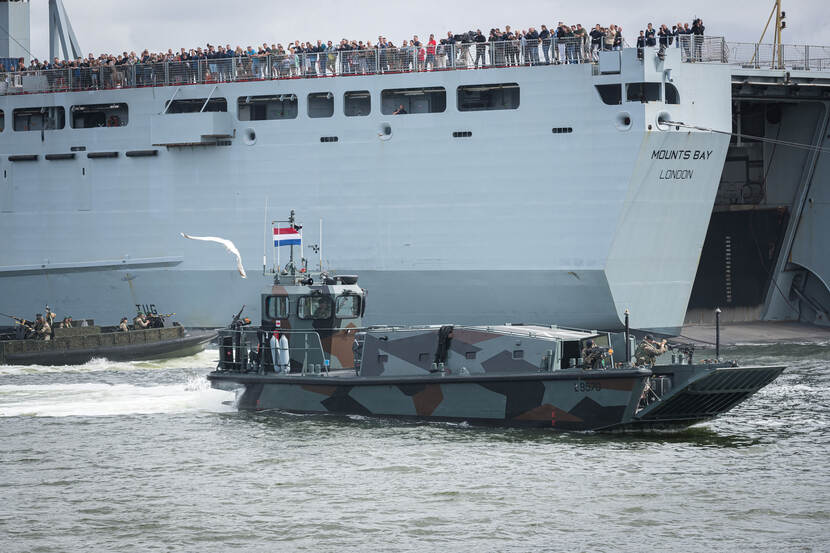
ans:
(472, 49)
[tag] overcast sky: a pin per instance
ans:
(119, 25)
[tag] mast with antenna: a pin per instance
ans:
(780, 25)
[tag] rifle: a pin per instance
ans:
(686, 349)
(19, 321)
(593, 356)
(236, 323)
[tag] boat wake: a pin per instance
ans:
(101, 400)
(202, 360)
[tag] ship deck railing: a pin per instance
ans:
(488, 55)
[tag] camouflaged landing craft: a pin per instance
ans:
(78, 345)
(311, 355)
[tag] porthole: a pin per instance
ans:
(623, 121)
(250, 137)
(385, 131)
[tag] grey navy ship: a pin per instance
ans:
(567, 193)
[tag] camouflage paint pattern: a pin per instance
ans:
(564, 400)
(336, 335)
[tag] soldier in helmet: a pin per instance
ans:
(590, 355)
(123, 325)
(140, 322)
(42, 329)
(648, 351)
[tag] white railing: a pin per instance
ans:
(287, 65)
(791, 56)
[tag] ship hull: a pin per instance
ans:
(567, 401)
(574, 227)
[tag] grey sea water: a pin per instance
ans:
(146, 457)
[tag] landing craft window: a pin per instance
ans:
(260, 108)
(357, 103)
(36, 119)
(487, 97)
(314, 307)
(99, 115)
(276, 307)
(320, 104)
(610, 94)
(348, 307)
(413, 100)
(195, 105)
(642, 92)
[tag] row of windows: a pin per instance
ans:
(313, 307)
(81, 117)
(356, 103)
(612, 94)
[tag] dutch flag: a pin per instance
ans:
(287, 237)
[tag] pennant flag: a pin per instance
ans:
(287, 237)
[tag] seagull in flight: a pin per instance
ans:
(228, 245)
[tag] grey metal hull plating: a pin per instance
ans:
(572, 227)
(566, 400)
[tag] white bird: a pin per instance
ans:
(228, 245)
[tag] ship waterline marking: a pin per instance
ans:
(681, 154)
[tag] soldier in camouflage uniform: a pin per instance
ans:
(140, 322)
(648, 351)
(42, 329)
(591, 355)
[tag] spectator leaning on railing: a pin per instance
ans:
(472, 49)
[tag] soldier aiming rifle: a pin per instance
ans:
(157, 319)
(23, 328)
(649, 350)
(593, 355)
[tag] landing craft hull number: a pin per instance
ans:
(682, 155)
(582, 386)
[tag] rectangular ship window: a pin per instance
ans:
(487, 97)
(424, 357)
(90, 116)
(276, 307)
(314, 307)
(195, 105)
(642, 92)
(348, 307)
(36, 119)
(320, 104)
(2, 120)
(357, 103)
(470, 355)
(610, 94)
(261, 108)
(518, 354)
(413, 100)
